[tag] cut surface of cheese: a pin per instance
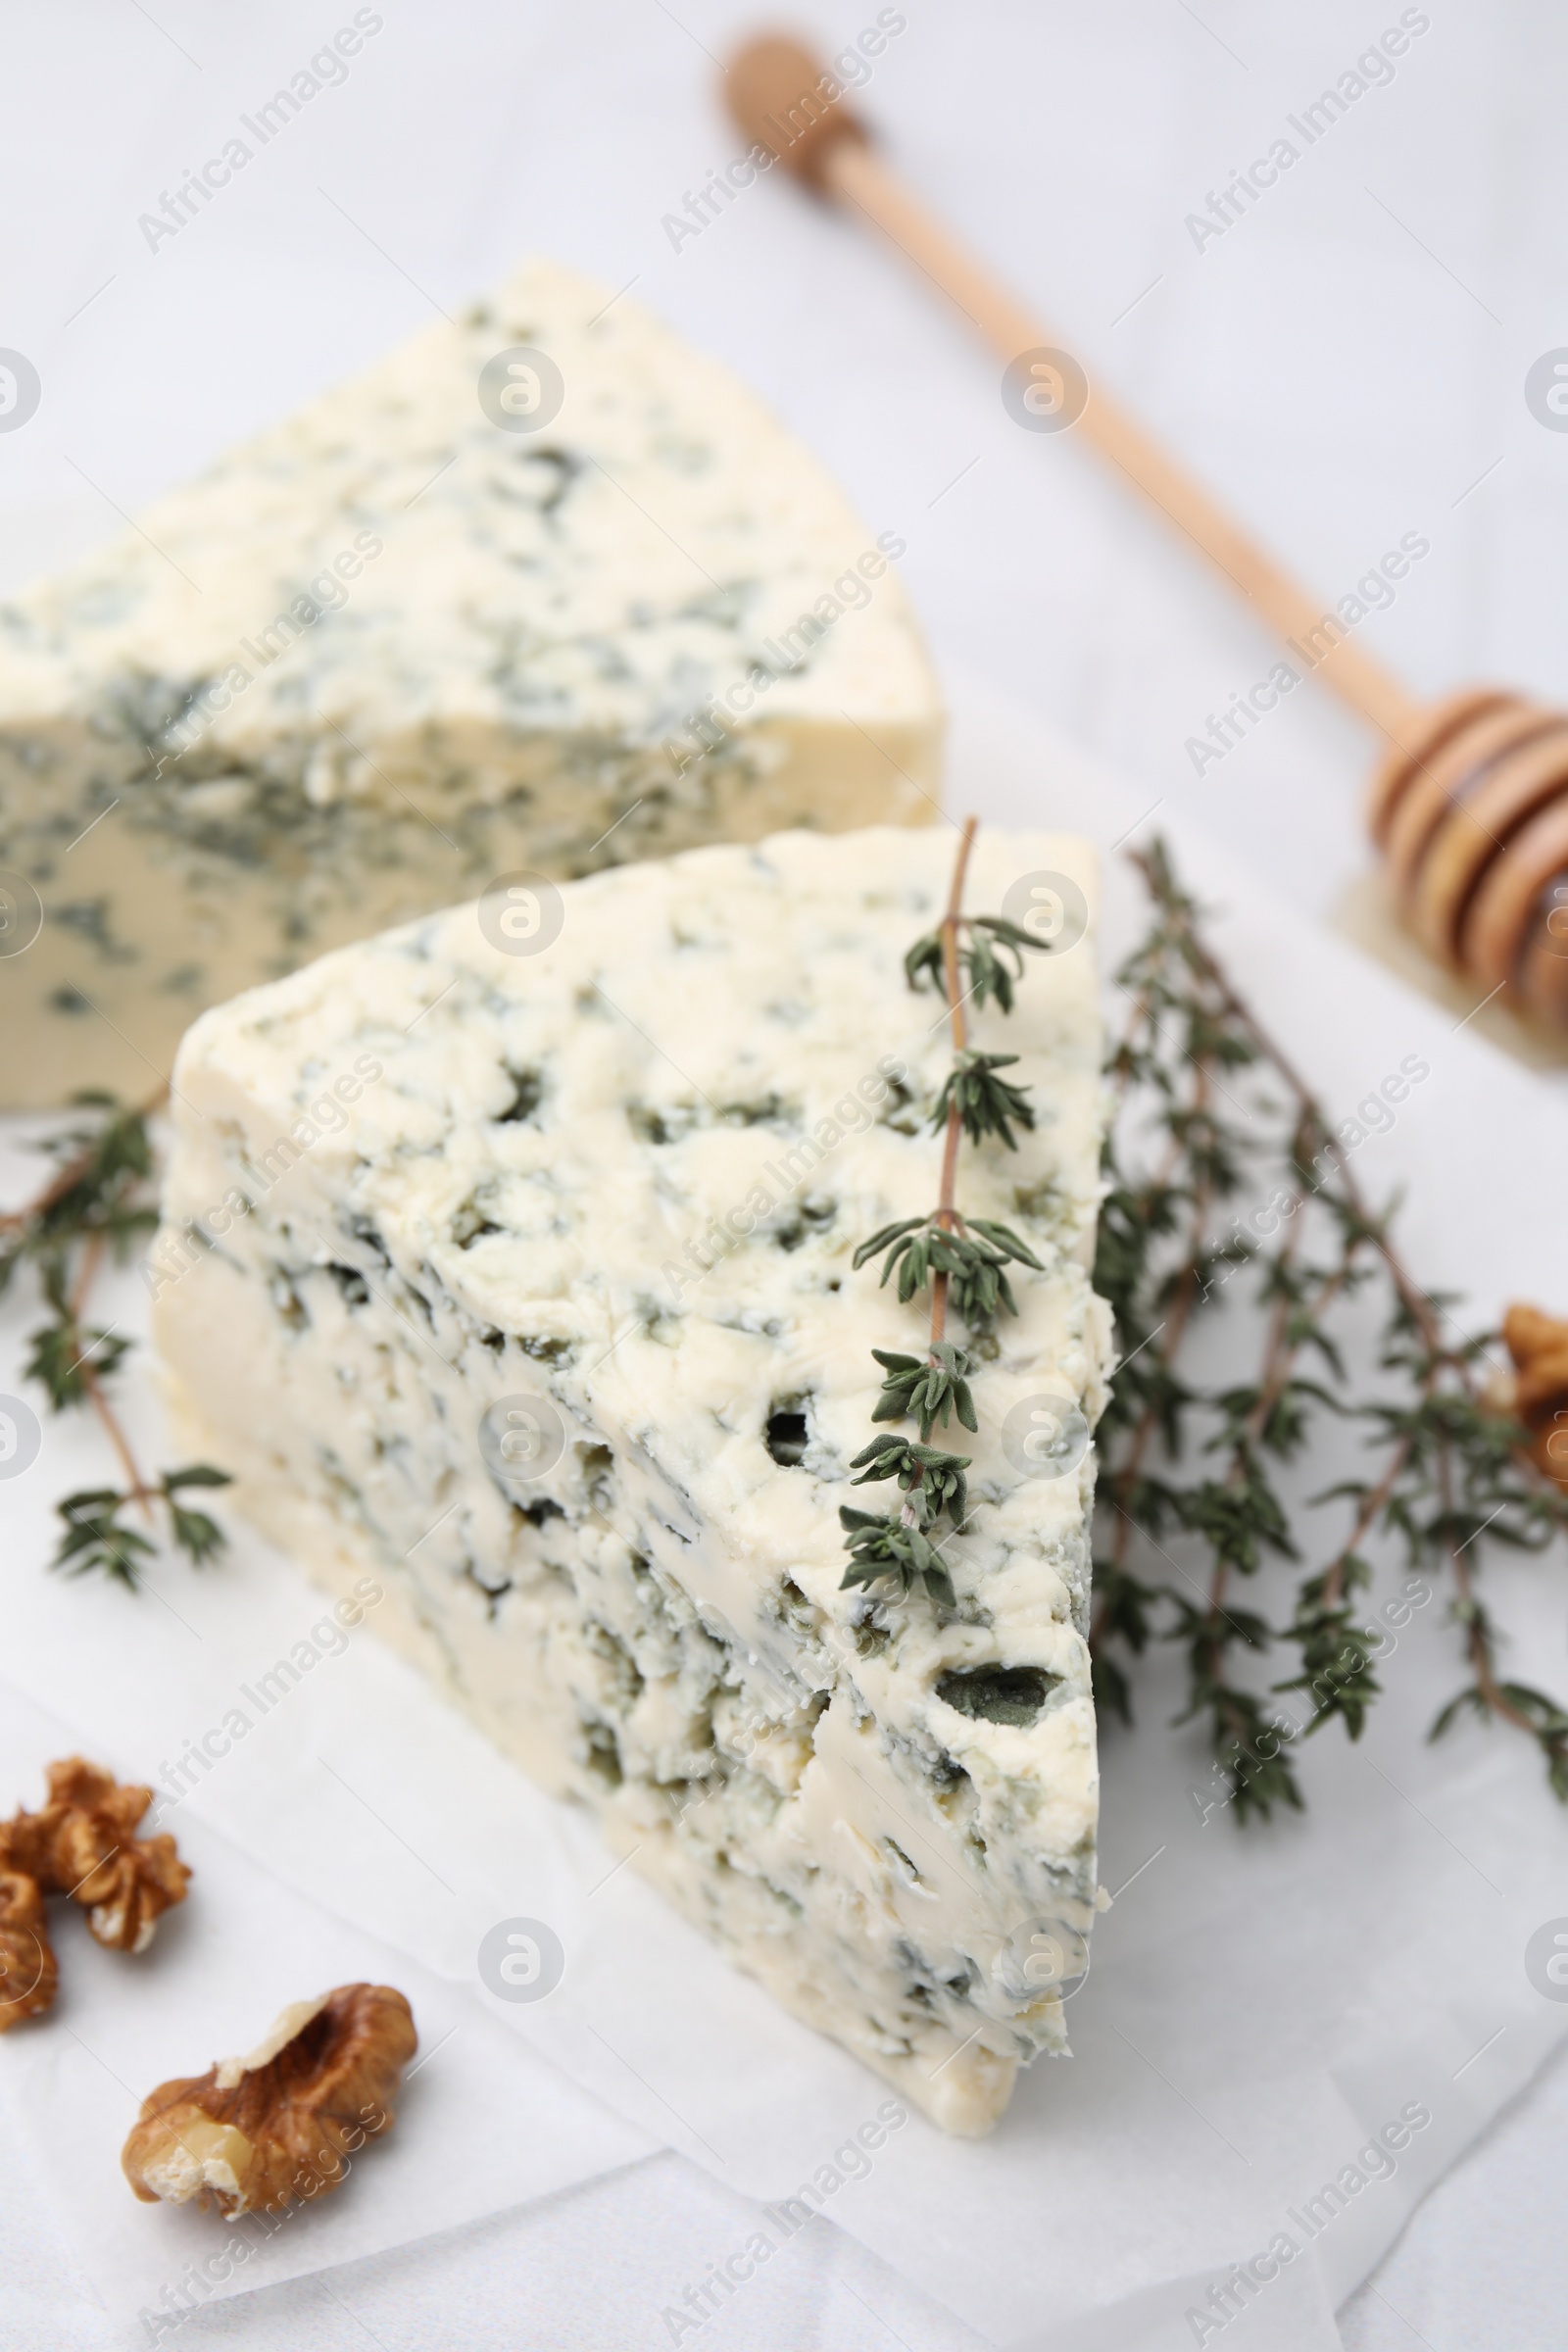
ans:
(546, 590)
(519, 1275)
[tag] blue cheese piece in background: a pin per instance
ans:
(525, 1280)
(546, 589)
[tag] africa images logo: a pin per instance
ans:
(20, 390)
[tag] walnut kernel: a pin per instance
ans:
(87, 1848)
(27, 1973)
(254, 2133)
(82, 1844)
(1539, 1346)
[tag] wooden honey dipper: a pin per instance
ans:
(1469, 805)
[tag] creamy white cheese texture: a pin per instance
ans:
(415, 637)
(524, 1280)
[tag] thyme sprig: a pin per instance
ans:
(930, 1387)
(1212, 1113)
(932, 1479)
(100, 1199)
(971, 1254)
(960, 1261)
(891, 1547)
(96, 1535)
(985, 1103)
(985, 973)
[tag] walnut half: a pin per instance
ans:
(85, 1845)
(1539, 1395)
(82, 1844)
(254, 2133)
(27, 1973)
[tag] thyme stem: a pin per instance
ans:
(92, 1256)
(962, 1261)
(947, 1213)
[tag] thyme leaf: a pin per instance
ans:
(928, 1388)
(986, 972)
(886, 1549)
(932, 1479)
(986, 1105)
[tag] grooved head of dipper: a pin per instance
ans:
(788, 100)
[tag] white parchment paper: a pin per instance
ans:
(482, 2122)
(1335, 2003)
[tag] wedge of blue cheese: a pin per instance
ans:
(524, 1280)
(474, 611)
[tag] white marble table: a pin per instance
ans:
(1346, 361)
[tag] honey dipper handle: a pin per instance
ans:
(775, 91)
